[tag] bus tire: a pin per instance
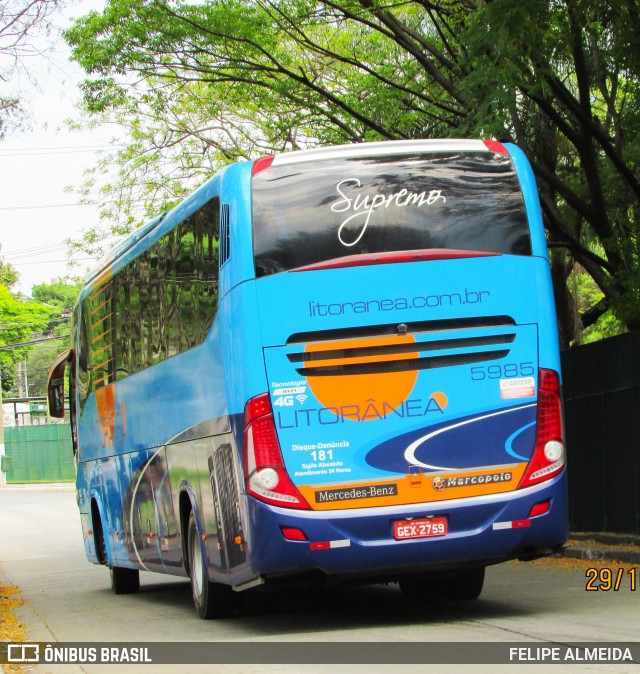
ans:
(465, 586)
(98, 535)
(124, 581)
(211, 600)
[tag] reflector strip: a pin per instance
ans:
(540, 509)
(293, 534)
(514, 524)
(325, 545)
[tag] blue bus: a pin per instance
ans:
(324, 366)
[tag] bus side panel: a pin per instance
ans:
(527, 180)
(548, 344)
(236, 192)
(167, 425)
(104, 481)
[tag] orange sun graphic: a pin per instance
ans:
(386, 390)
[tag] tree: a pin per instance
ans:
(19, 320)
(21, 317)
(9, 276)
(20, 22)
(53, 303)
(205, 83)
(39, 361)
(60, 294)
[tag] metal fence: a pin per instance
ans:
(27, 412)
(39, 453)
(602, 412)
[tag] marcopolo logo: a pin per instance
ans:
(440, 483)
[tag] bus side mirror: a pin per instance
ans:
(55, 384)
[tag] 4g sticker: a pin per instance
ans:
(288, 396)
(290, 400)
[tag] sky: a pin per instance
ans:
(36, 167)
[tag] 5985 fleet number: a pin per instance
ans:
(506, 371)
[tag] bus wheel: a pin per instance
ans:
(212, 600)
(422, 589)
(124, 581)
(465, 586)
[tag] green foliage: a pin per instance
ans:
(9, 276)
(606, 326)
(60, 294)
(19, 320)
(39, 361)
(48, 312)
(587, 294)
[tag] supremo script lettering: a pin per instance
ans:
(362, 206)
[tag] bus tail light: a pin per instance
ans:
(266, 475)
(549, 454)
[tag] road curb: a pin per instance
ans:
(38, 486)
(603, 546)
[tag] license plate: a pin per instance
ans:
(422, 528)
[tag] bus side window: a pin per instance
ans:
(73, 412)
(159, 305)
(83, 355)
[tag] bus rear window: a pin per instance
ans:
(309, 212)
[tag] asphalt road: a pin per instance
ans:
(69, 600)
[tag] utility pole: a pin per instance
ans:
(20, 379)
(26, 379)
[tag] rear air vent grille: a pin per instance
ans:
(404, 365)
(416, 327)
(388, 349)
(403, 347)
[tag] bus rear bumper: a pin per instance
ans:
(361, 543)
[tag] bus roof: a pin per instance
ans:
(386, 148)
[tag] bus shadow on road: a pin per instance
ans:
(367, 607)
(293, 611)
